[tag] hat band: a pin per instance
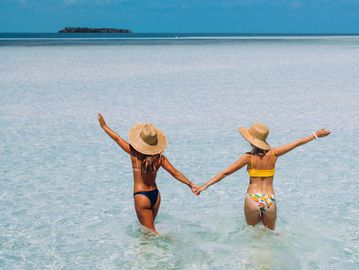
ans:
(151, 140)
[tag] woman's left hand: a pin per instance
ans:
(322, 132)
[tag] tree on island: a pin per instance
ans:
(93, 30)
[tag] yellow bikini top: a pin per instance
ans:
(260, 173)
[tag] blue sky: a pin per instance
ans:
(219, 16)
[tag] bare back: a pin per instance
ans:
(143, 181)
(261, 184)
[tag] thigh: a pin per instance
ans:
(251, 211)
(144, 212)
(156, 207)
(269, 217)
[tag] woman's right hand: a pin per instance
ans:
(101, 120)
(193, 189)
(322, 132)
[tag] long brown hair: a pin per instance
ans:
(150, 163)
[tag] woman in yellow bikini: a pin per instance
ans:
(259, 204)
(145, 147)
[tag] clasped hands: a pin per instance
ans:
(196, 190)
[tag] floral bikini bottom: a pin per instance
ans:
(264, 201)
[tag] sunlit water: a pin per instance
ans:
(66, 188)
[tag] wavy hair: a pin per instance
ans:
(150, 163)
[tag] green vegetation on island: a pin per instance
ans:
(93, 30)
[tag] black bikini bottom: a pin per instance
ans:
(152, 195)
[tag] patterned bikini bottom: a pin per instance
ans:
(263, 200)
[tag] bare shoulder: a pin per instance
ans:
(246, 157)
(162, 159)
(242, 161)
(271, 152)
(133, 153)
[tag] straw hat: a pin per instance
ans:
(147, 139)
(256, 135)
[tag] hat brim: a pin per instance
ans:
(144, 148)
(252, 140)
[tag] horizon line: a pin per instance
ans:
(231, 33)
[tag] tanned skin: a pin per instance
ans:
(260, 184)
(145, 182)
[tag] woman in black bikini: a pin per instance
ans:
(146, 147)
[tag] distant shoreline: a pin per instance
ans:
(93, 30)
(199, 34)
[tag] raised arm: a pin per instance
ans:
(121, 142)
(176, 174)
(281, 150)
(240, 163)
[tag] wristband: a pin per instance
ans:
(315, 135)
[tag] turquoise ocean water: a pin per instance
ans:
(66, 188)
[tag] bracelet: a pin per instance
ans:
(315, 135)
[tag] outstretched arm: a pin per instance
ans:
(281, 150)
(176, 174)
(231, 169)
(121, 142)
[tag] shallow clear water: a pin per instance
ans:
(66, 188)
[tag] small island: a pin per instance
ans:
(94, 30)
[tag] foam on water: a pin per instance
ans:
(66, 189)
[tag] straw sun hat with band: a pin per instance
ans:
(147, 139)
(256, 135)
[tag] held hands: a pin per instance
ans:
(193, 187)
(197, 191)
(101, 120)
(322, 132)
